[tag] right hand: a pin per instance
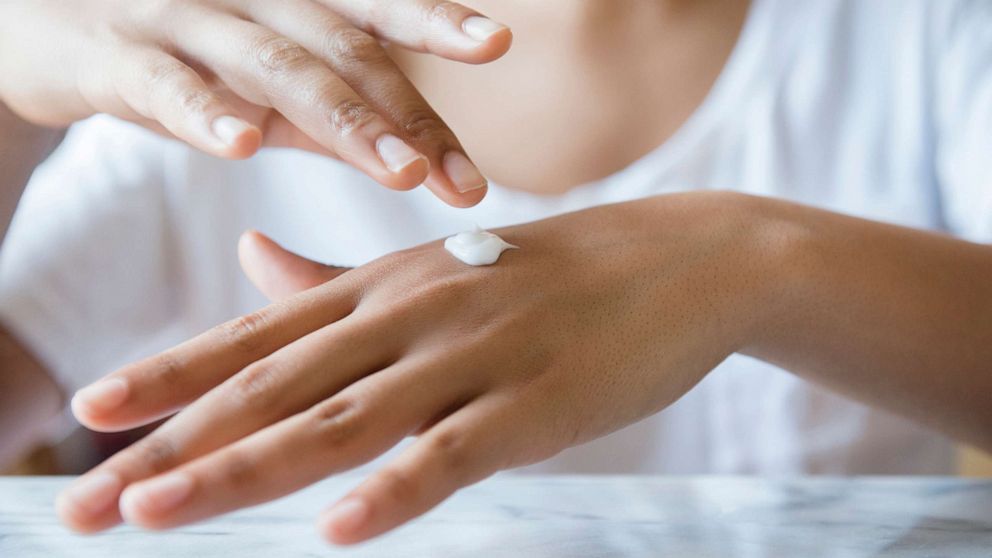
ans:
(227, 76)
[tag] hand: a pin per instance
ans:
(225, 74)
(603, 317)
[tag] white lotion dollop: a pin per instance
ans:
(477, 247)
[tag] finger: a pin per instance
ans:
(159, 87)
(156, 387)
(276, 130)
(102, 94)
(274, 388)
(362, 62)
(340, 433)
(447, 29)
(280, 132)
(462, 449)
(277, 272)
(271, 70)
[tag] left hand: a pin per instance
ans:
(602, 318)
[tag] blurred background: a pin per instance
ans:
(975, 463)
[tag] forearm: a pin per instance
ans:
(28, 398)
(23, 147)
(895, 317)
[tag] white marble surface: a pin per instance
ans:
(575, 517)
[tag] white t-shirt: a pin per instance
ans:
(126, 243)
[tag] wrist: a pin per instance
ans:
(781, 247)
(736, 252)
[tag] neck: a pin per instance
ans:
(596, 84)
(592, 25)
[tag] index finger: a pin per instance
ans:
(158, 386)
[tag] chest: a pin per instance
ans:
(580, 95)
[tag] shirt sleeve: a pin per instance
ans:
(963, 114)
(85, 281)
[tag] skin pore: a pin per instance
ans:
(625, 72)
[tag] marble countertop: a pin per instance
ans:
(575, 517)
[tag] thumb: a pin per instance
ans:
(277, 272)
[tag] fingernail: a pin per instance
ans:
(481, 28)
(158, 495)
(347, 516)
(395, 153)
(462, 172)
(228, 129)
(92, 494)
(105, 395)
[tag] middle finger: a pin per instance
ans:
(359, 59)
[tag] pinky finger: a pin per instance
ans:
(460, 450)
(159, 87)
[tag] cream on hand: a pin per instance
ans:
(477, 247)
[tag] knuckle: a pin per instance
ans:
(278, 55)
(245, 332)
(450, 448)
(350, 45)
(256, 385)
(351, 337)
(444, 11)
(423, 125)
(193, 101)
(448, 291)
(155, 453)
(338, 421)
(424, 289)
(162, 74)
(240, 470)
(167, 369)
(350, 115)
(400, 485)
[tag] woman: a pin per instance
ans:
(736, 134)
